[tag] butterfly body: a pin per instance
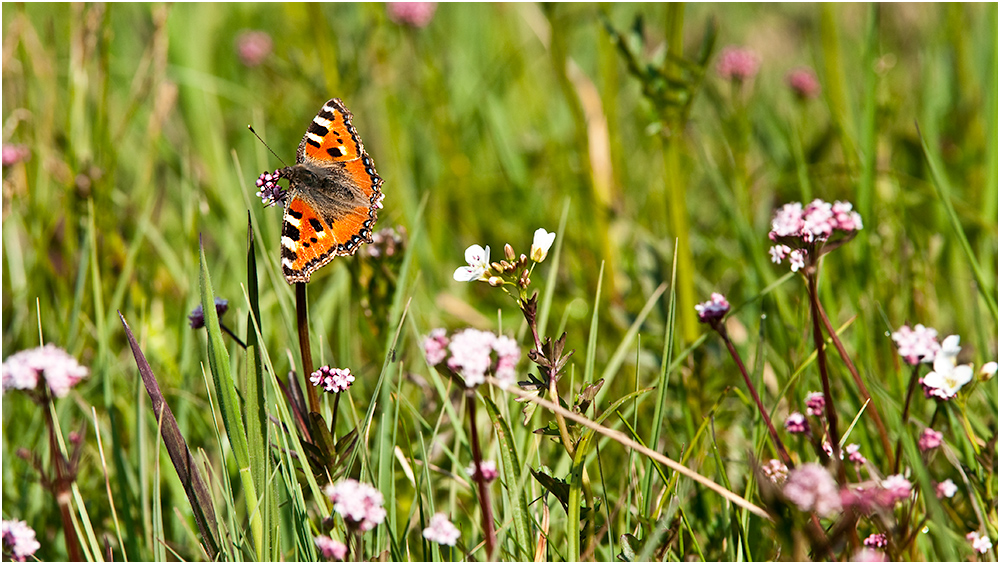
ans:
(333, 198)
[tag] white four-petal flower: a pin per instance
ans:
(541, 244)
(479, 265)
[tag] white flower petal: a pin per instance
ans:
(961, 375)
(467, 274)
(477, 255)
(950, 347)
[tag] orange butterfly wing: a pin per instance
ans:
(335, 195)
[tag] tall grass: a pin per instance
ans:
(606, 123)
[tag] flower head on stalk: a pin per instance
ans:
(441, 530)
(359, 504)
(803, 83)
(19, 540)
(472, 356)
(23, 370)
(513, 270)
(197, 317)
(412, 14)
(981, 544)
(916, 345)
(331, 549)
(333, 380)
(487, 470)
(737, 64)
(812, 488)
(804, 233)
(713, 310)
(269, 192)
(946, 488)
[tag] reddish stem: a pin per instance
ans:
(906, 415)
(872, 408)
(831, 411)
(302, 319)
(484, 493)
(785, 458)
(63, 481)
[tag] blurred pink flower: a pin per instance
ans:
(982, 545)
(812, 488)
(737, 64)
(815, 404)
(929, 439)
(253, 46)
(413, 14)
(441, 530)
(946, 488)
(876, 540)
(854, 455)
(775, 470)
(916, 345)
(712, 310)
(436, 347)
(61, 371)
(803, 83)
(488, 469)
(19, 539)
(470, 355)
(869, 555)
(796, 423)
(359, 504)
(13, 154)
(330, 549)
(508, 354)
(895, 488)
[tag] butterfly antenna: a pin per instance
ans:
(250, 127)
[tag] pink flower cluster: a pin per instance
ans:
(815, 404)
(13, 154)
(413, 14)
(331, 549)
(796, 423)
(929, 439)
(488, 468)
(916, 345)
(796, 229)
(775, 470)
(712, 310)
(253, 47)
(946, 488)
(803, 83)
(61, 371)
(359, 504)
(981, 544)
(333, 380)
(19, 539)
(737, 64)
(441, 530)
(854, 455)
(876, 540)
(812, 488)
(472, 355)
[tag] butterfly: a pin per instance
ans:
(333, 197)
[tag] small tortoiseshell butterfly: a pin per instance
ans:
(333, 197)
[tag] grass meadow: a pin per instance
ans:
(656, 141)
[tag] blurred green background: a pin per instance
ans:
(487, 123)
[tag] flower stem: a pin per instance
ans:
(302, 319)
(906, 414)
(785, 458)
(477, 459)
(64, 477)
(872, 408)
(831, 411)
(233, 335)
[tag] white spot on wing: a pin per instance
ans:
(322, 121)
(314, 137)
(288, 243)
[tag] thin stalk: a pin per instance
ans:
(63, 481)
(872, 408)
(785, 458)
(484, 493)
(831, 411)
(229, 332)
(302, 319)
(906, 414)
